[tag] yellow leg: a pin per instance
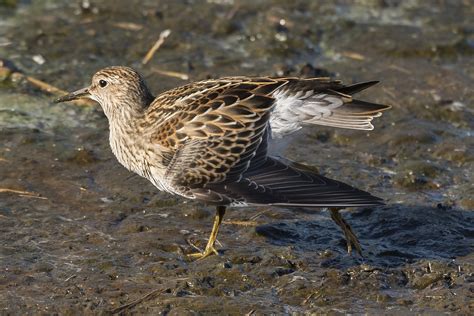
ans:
(351, 238)
(220, 211)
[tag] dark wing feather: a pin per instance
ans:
(276, 183)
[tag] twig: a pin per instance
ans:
(310, 296)
(5, 190)
(168, 73)
(23, 193)
(230, 15)
(188, 240)
(56, 91)
(254, 217)
(134, 303)
(44, 86)
(13, 70)
(401, 69)
(242, 223)
(156, 46)
(71, 277)
(389, 92)
(169, 279)
(128, 26)
(33, 197)
(353, 55)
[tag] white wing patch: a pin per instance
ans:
(293, 110)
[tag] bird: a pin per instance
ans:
(209, 140)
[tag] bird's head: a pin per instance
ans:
(118, 89)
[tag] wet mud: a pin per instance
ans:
(80, 234)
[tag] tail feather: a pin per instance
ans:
(322, 103)
(359, 107)
(357, 87)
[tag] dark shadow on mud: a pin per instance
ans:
(391, 236)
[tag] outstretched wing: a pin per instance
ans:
(277, 183)
(210, 134)
(321, 101)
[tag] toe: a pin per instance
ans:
(206, 253)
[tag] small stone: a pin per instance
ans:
(404, 302)
(83, 156)
(39, 59)
(426, 280)
(4, 73)
(106, 200)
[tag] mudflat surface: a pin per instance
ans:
(80, 234)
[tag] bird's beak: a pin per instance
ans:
(82, 93)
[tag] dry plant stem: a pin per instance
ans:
(251, 222)
(129, 26)
(22, 193)
(191, 243)
(242, 223)
(254, 217)
(6, 190)
(149, 55)
(168, 73)
(353, 55)
(54, 90)
(33, 197)
(134, 303)
(43, 86)
(230, 15)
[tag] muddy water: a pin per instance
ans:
(81, 234)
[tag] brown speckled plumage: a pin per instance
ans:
(209, 140)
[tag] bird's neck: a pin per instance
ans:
(126, 141)
(131, 147)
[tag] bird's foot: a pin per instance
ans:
(204, 254)
(210, 250)
(351, 238)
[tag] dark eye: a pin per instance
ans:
(102, 83)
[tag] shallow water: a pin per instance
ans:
(80, 233)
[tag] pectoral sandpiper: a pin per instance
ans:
(208, 140)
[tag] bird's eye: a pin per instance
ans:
(102, 83)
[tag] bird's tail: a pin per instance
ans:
(311, 101)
